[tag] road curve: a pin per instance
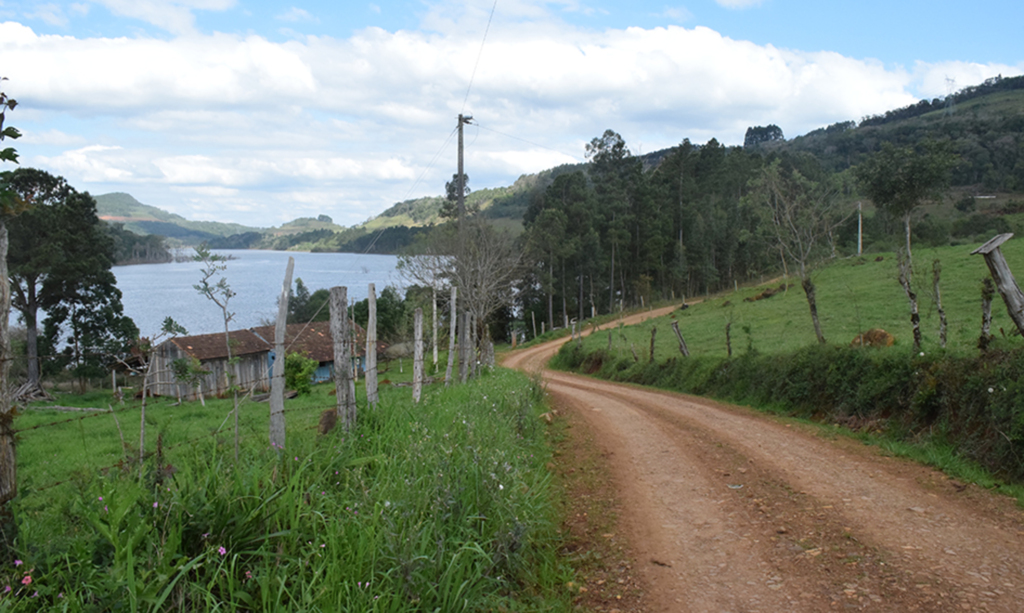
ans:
(726, 509)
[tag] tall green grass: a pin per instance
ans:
(440, 506)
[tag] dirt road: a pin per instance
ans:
(724, 509)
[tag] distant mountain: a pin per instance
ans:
(144, 219)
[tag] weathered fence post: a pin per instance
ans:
(451, 339)
(936, 271)
(533, 318)
(987, 291)
(1005, 282)
(371, 348)
(417, 353)
(433, 324)
(340, 332)
(682, 344)
(8, 472)
(464, 347)
(277, 426)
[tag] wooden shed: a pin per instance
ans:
(250, 372)
(254, 349)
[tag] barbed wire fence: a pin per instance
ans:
(132, 459)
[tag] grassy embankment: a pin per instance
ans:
(957, 408)
(440, 506)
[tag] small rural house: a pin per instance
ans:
(212, 353)
(312, 340)
(254, 349)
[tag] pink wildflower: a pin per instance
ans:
(27, 580)
(221, 550)
(18, 562)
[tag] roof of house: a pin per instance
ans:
(212, 346)
(313, 340)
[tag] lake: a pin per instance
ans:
(152, 292)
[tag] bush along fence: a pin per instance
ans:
(436, 502)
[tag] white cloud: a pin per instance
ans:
(932, 78)
(738, 4)
(244, 123)
(175, 16)
(679, 14)
(49, 13)
(295, 14)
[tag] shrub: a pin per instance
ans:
(298, 372)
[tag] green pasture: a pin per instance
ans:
(853, 294)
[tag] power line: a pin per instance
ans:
(419, 180)
(478, 55)
(526, 141)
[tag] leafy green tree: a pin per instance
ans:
(60, 259)
(762, 134)
(304, 307)
(392, 314)
(898, 179)
(450, 206)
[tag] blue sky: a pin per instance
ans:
(260, 112)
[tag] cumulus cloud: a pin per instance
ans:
(365, 121)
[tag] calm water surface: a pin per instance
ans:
(155, 291)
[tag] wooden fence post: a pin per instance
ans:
(682, 344)
(277, 426)
(433, 324)
(340, 333)
(417, 355)
(654, 331)
(463, 347)
(371, 348)
(451, 339)
(8, 472)
(1005, 282)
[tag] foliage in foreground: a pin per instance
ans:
(972, 404)
(439, 506)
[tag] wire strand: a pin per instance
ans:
(479, 54)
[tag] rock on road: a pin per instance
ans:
(725, 509)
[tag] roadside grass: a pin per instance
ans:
(442, 506)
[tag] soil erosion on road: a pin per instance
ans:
(724, 509)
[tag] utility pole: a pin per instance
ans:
(463, 120)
